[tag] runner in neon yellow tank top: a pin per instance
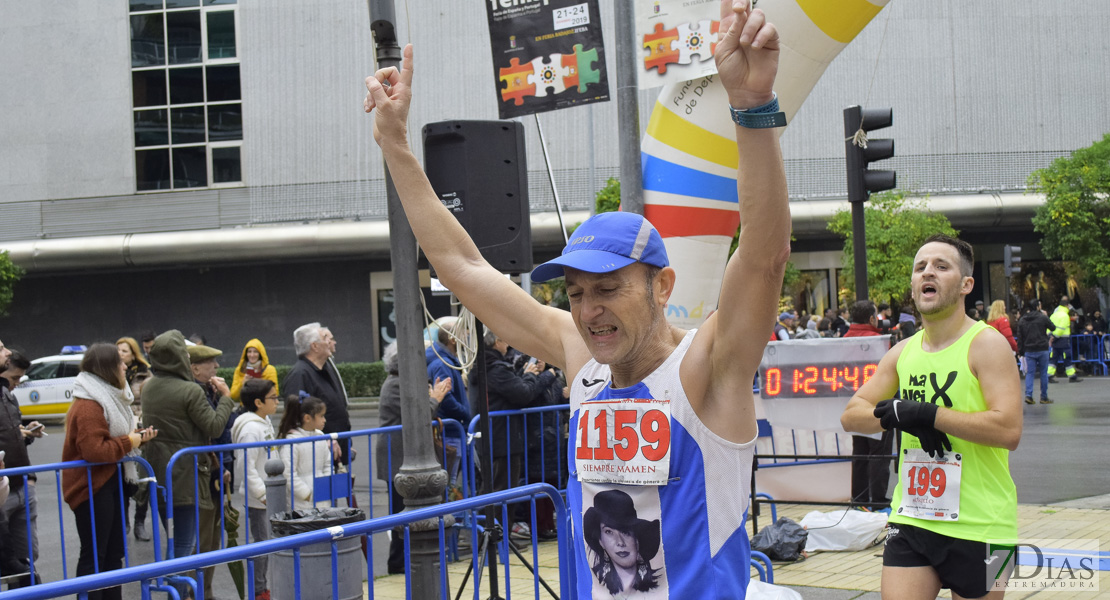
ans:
(959, 411)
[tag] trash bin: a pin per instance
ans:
(315, 560)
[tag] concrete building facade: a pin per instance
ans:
(206, 165)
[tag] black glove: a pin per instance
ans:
(916, 419)
(901, 414)
(933, 442)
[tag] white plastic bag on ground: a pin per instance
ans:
(757, 590)
(842, 529)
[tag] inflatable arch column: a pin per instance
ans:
(689, 153)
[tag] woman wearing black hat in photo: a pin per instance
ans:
(622, 544)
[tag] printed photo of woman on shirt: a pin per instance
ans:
(621, 545)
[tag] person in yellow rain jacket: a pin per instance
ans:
(253, 364)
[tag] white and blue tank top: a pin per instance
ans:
(687, 490)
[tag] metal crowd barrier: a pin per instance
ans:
(1091, 350)
(57, 468)
(525, 417)
(338, 486)
(152, 577)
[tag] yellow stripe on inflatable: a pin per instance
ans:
(840, 20)
(680, 134)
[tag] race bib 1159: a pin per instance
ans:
(625, 441)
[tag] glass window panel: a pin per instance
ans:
(186, 85)
(225, 122)
(151, 128)
(182, 3)
(148, 45)
(138, 5)
(152, 169)
(221, 34)
(218, 2)
(148, 88)
(183, 37)
(223, 83)
(190, 167)
(226, 165)
(187, 125)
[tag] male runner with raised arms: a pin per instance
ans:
(960, 414)
(662, 414)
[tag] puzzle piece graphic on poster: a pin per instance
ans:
(696, 39)
(548, 75)
(587, 74)
(570, 69)
(662, 46)
(516, 79)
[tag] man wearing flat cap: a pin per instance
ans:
(179, 408)
(204, 360)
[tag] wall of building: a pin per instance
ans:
(982, 94)
(228, 305)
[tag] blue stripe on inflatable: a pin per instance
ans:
(663, 176)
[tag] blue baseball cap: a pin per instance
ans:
(605, 243)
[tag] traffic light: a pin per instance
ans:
(861, 151)
(1011, 260)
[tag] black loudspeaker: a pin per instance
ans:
(479, 172)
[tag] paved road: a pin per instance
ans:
(1060, 458)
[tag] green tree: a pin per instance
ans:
(10, 273)
(895, 226)
(609, 197)
(1075, 218)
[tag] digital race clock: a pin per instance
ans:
(824, 380)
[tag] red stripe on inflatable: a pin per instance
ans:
(685, 221)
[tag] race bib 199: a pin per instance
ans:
(930, 487)
(625, 441)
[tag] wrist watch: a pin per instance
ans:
(765, 116)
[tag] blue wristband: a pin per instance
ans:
(760, 117)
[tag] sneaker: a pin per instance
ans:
(1030, 400)
(1045, 400)
(1075, 379)
(548, 535)
(1051, 379)
(521, 531)
(263, 595)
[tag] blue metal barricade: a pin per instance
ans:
(541, 418)
(331, 488)
(1091, 351)
(149, 576)
(57, 468)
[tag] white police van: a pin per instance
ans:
(46, 389)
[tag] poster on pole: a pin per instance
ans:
(677, 39)
(547, 55)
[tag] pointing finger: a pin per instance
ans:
(406, 66)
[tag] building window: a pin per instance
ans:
(186, 100)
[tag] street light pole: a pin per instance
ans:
(421, 480)
(628, 109)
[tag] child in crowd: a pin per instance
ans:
(304, 417)
(259, 398)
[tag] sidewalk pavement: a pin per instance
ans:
(824, 575)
